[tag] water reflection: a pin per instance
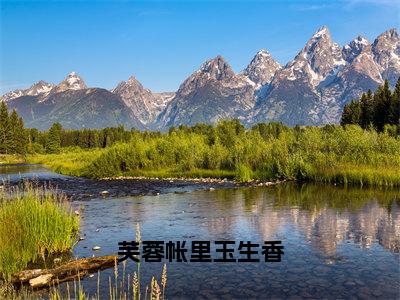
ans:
(325, 216)
(339, 243)
(16, 172)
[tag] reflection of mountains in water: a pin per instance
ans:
(325, 216)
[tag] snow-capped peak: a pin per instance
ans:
(321, 32)
(217, 68)
(38, 88)
(263, 53)
(354, 48)
(386, 50)
(71, 82)
(261, 68)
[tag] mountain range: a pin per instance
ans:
(312, 89)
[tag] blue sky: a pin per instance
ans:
(162, 42)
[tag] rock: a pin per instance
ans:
(96, 248)
(41, 280)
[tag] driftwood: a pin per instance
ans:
(72, 270)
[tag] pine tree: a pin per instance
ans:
(351, 113)
(13, 148)
(53, 143)
(394, 113)
(382, 101)
(21, 138)
(366, 110)
(5, 130)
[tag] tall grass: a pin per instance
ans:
(332, 154)
(11, 159)
(34, 223)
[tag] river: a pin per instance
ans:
(338, 242)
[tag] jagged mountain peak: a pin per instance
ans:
(319, 58)
(263, 53)
(132, 80)
(388, 34)
(71, 82)
(322, 31)
(320, 42)
(261, 68)
(39, 88)
(322, 36)
(144, 104)
(386, 50)
(387, 41)
(354, 48)
(217, 68)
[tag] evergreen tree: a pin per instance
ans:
(5, 130)
(53, 143)
(382, 101)
(394, 113)
(366, 110)
(13, 132)
(377, 110)
(21, 138)
(351, 113)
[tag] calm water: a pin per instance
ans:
(26, 171)
(339, 243)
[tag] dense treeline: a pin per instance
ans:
(52, 140)
(13, 136)
(380, 109)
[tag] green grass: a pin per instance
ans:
(34, 223)
(360, 175)
(348, 156)
(67, 162)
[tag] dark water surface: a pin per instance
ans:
(339, 243)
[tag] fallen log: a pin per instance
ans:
(72, 270)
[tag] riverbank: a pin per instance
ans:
(81, 188)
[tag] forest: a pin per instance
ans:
(379, 110)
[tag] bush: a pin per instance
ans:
(243, 173)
